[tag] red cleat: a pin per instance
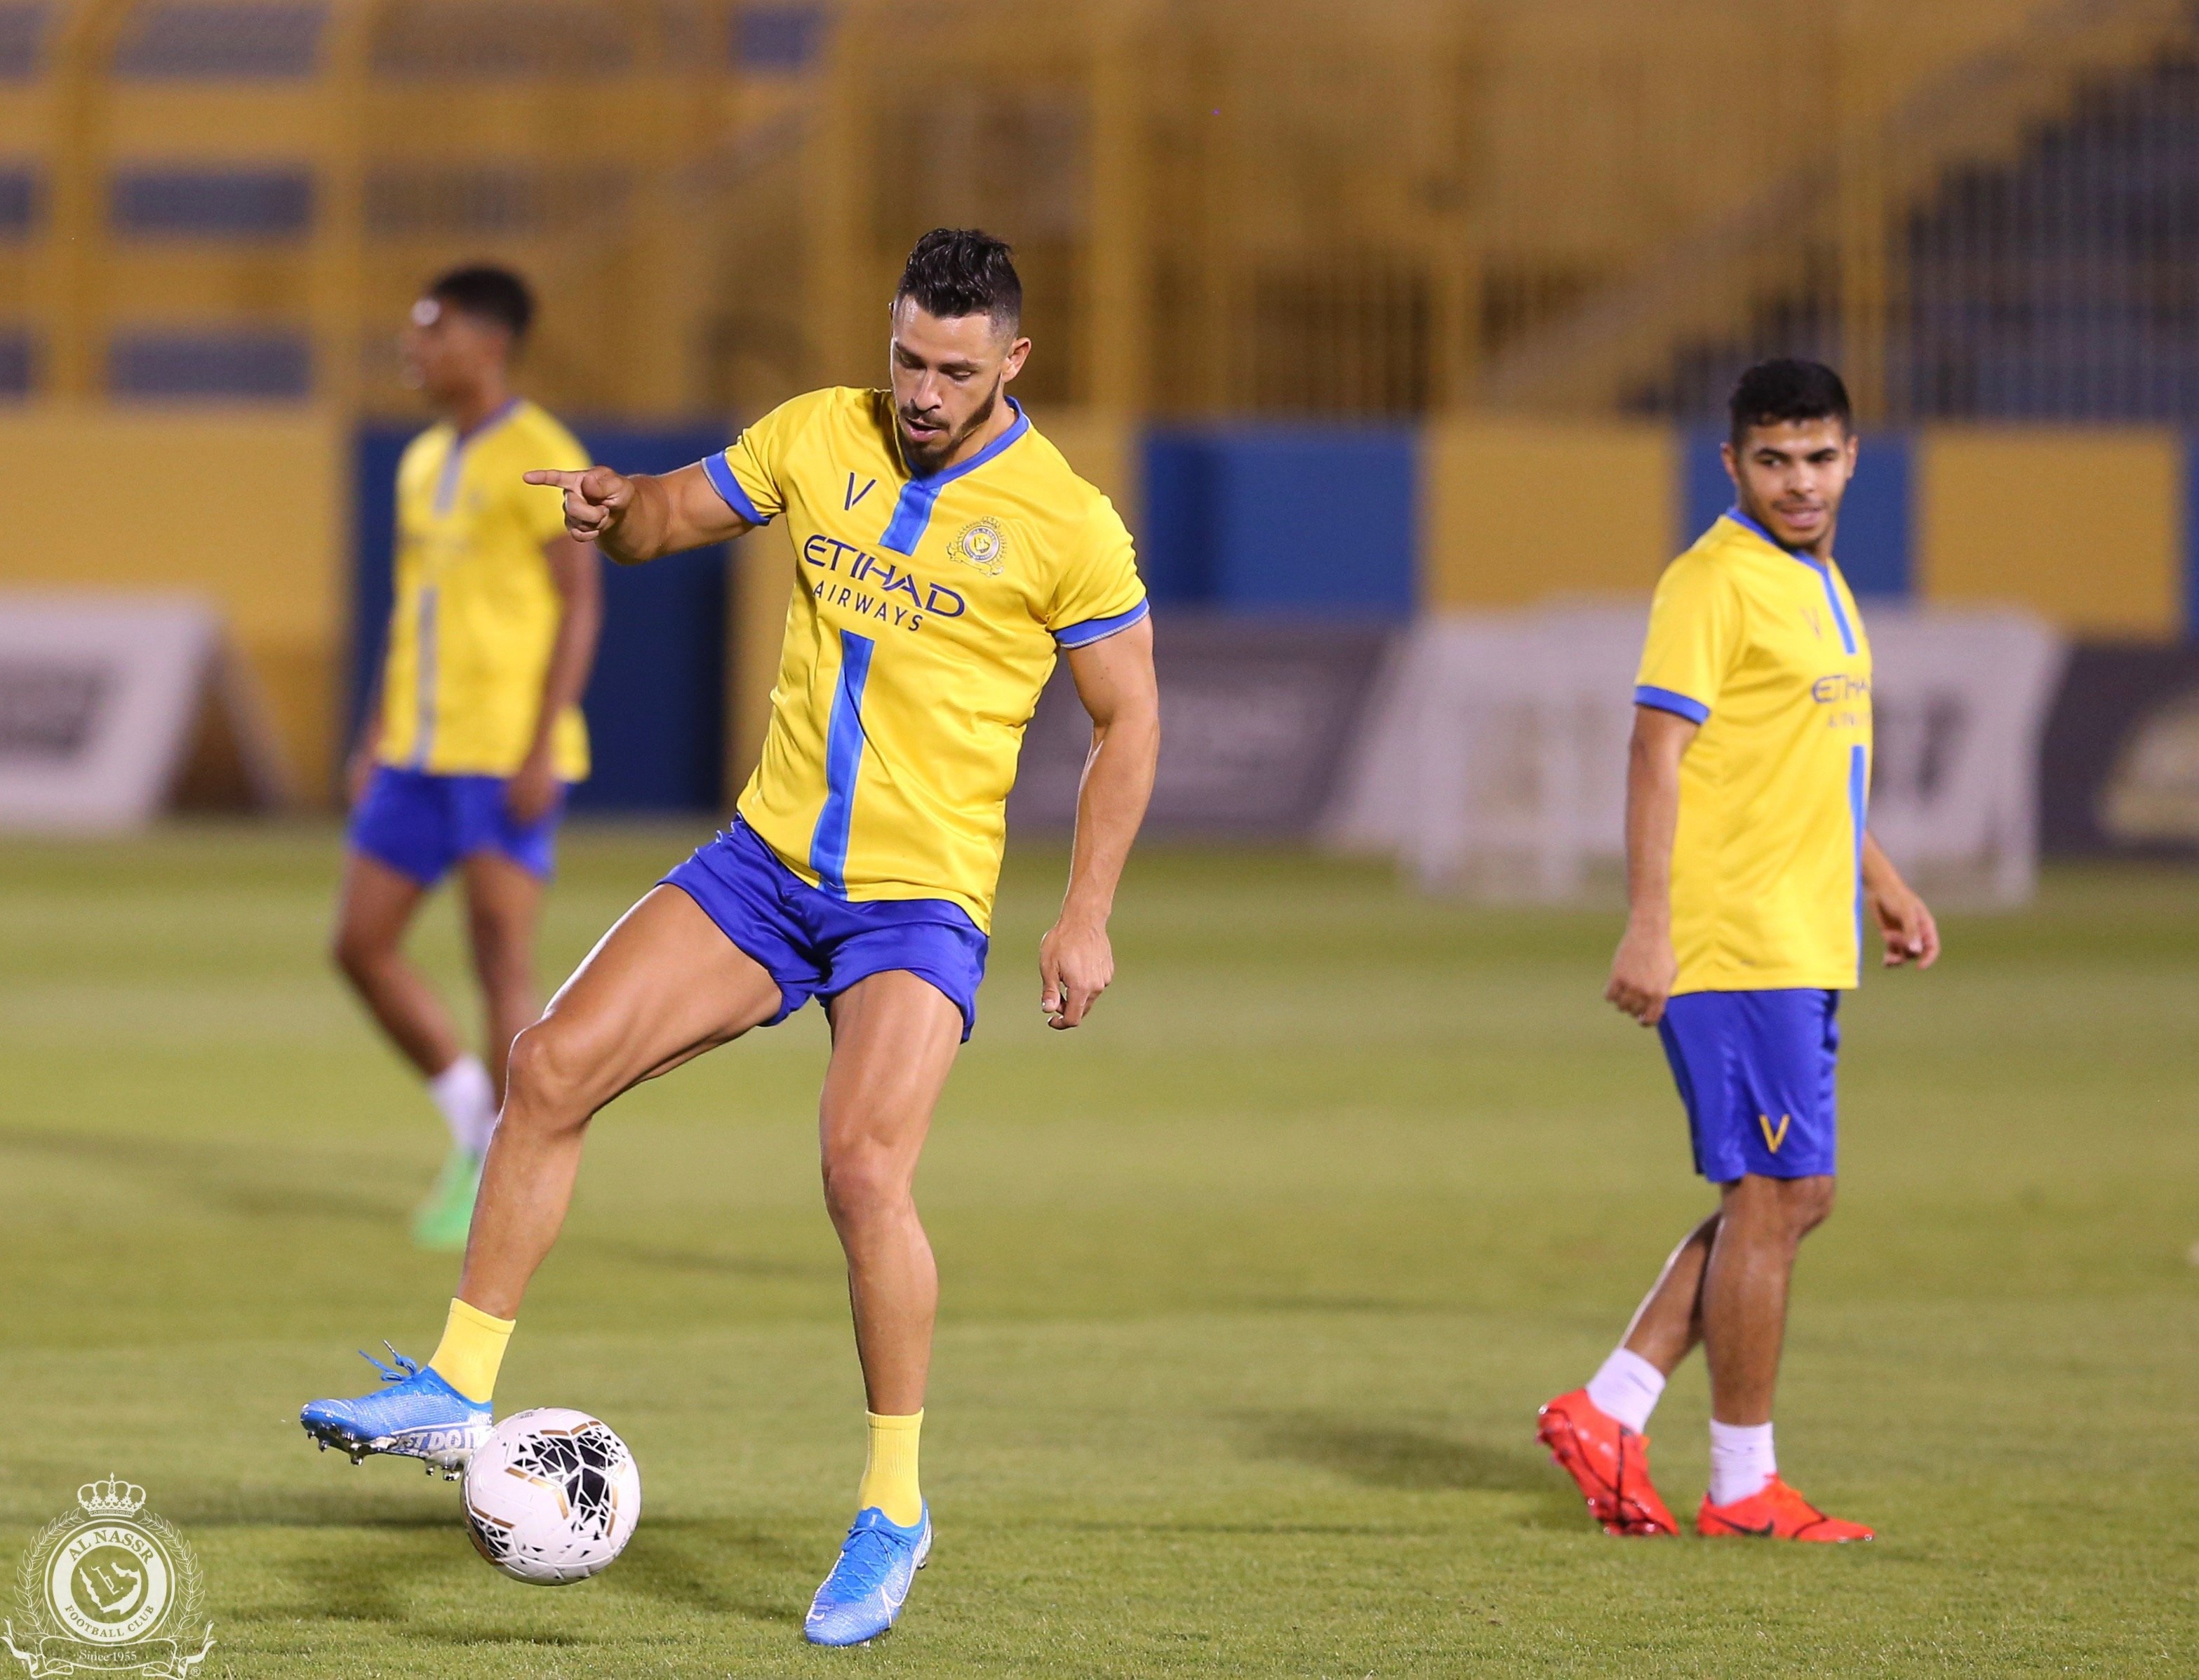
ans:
(1608, 1460)
(1775, 1512)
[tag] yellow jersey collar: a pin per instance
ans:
(912, 511)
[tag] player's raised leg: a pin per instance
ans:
(894, 1039)
(662, 986)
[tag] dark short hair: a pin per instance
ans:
(962, 272)
(1773, 392)
(488, 294)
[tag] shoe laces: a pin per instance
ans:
(405, 1371)
(865, 1559)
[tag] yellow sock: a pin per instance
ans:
(889, 1474)
(472, 1349)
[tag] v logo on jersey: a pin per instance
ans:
(1773, 1139)
(1816, 624)
(856, 495)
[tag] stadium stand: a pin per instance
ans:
(1387, 210)
(1307, 281)
(2056, 285)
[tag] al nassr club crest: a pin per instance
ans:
(981, 544)
(109, 1588)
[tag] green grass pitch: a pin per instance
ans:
(1251, 1289)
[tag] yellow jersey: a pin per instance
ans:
(1763, 648)
(925, 619)
(476, 614)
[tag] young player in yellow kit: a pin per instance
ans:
(475, 730)
(1749, 872)
(946, 557)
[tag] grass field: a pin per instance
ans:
(1251, 1290)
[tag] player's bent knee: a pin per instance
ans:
(357, 955)
(1810, 1204)
(547, 1079)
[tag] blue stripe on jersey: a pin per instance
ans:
(447, 483)
(913, 511)
(423, 677)
(1823, 571)
(1839, 612)
(719, 472)
(1734, 514)
(843, 760)
(1099, 629)
(1859, 802)
(1669, 700)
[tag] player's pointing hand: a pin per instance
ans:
(595, 501)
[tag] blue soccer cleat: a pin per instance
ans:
(864, 1592)
(419, 1415)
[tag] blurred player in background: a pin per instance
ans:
(1749, 872)
(473, 730)
(948, 556)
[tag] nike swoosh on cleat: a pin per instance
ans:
(1762, 1533)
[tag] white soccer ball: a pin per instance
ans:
(552, 1497)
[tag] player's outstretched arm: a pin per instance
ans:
(646, 516)
(1645, 967)
(1904, 920)
(1116, 682)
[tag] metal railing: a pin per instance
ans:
(1276, 208)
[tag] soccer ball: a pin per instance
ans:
(552, 1497)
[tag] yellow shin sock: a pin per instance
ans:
(890, 1473)
(472, 1349)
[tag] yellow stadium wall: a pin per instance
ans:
(2084, 526)
(246, 509)
(1512, 512)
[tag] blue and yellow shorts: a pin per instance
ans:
(815, 945)
(1756, 1071)
(422, 825)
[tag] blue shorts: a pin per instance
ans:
(815, 945)
(1755, 1070)
(420, 824)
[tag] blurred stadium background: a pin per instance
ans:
(1360, 312)
(1375, 319)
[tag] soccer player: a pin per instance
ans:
(946, 554)
(473, 730)
(1749, 873)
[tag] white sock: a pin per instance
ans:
(1626, 1387)
(1741, 1461)
(467, 1097)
